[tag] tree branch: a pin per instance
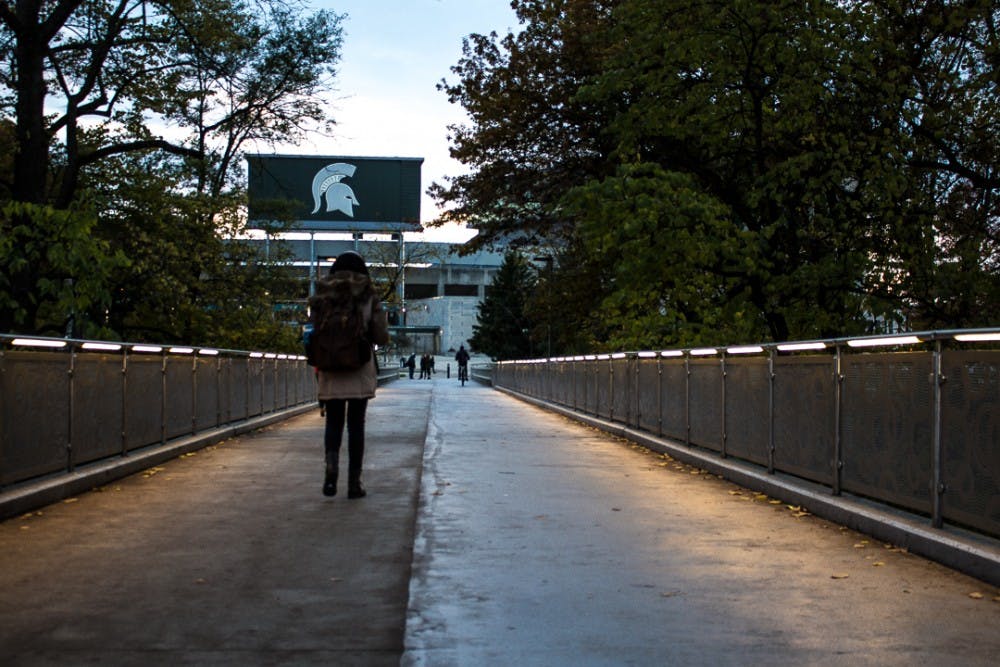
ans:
(133, 146)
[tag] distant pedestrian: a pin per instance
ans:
(411, 364)
(348, 391)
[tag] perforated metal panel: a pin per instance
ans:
(970, 439)
(706, 404)
(97, 407)
(747, 409)
(623, 386)
(255, 387)
(648, 399)
(34, 427)
(887, 428)
(225, 370)
(239, 370)
(673, 398)
(563, 384)
(603, 389)
(206, 378)
(804, 413)
(143, 401)
(588, 385)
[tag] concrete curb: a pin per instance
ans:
(28, 496)
(969, 553)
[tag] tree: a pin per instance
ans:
(189, 277)
(941, 263)
(188, 83)
(755, 170)
(502, 329)
(529, 139)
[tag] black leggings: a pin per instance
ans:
(334, 434)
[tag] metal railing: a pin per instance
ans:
(65, 403)
(912, 421)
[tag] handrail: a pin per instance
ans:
(13, 341)
(900, 339)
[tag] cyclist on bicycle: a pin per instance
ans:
(462, 357)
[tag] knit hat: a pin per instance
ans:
(349, 261)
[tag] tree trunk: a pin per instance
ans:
(31, 162)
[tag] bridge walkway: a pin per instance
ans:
(494, 533)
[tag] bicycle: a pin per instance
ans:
(463, 373)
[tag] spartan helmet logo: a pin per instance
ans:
(339, 196)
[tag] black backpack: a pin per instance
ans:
(339, 340)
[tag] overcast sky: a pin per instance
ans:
(386, 103)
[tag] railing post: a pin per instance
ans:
(687, 399)
(637, 362)
(124, 400)
(163, 398)
(194, 393)
(611, 388)
(70, 464)
(937, 517)
(838, 458)
(770, 411)
(218, 391)
(722, 368)
(3, 401)
(659, 395)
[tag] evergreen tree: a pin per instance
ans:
(502, 329)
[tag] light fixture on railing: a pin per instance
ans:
(978, 337)
(672, 353)
(147, 348)
(38, 342)
(618, 355)
(181, 350)
(800, 347)
(702, 351)
(256, 355)
(208, 352)
(107, 347)
(647, 355)
(745, 349)
(883, 342)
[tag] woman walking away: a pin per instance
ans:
(346, 389)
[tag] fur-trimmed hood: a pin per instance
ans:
(343, 283)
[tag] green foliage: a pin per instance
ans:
(528, 139)
(745, 170)
(191, 278)
(162, 247)
(503, 329)
(666, 248)
(52, 267)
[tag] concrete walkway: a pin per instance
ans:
(527, 539)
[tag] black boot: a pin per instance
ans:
(354, 487)
(330, 482)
